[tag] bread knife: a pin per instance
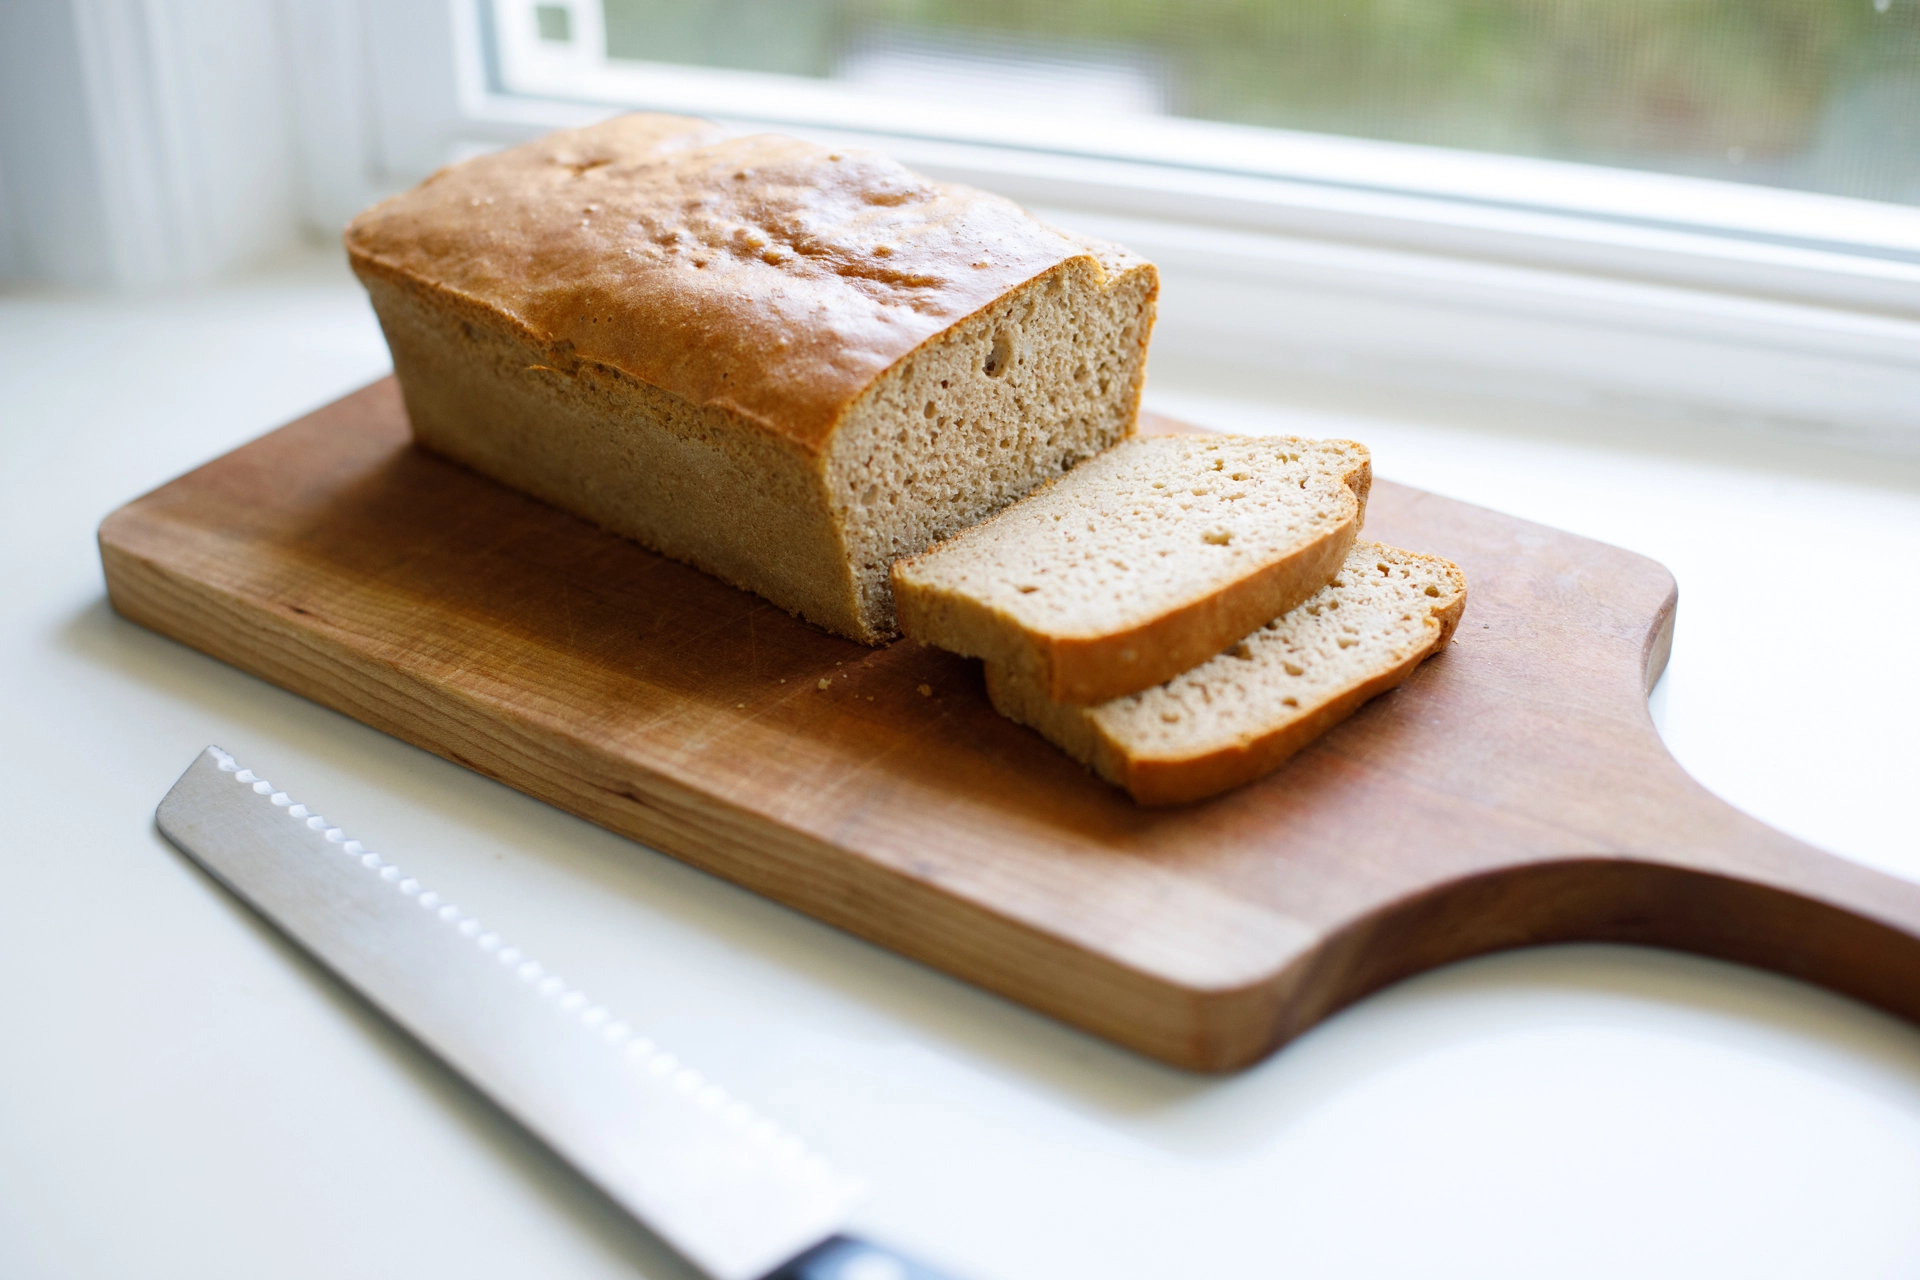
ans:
(732, 1193)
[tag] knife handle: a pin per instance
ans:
(842, 1258)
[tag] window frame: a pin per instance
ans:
(1348, 263)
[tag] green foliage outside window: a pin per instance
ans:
(1822, 94)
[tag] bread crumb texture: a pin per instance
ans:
(1149, 526)
(1013, 397)
(1385, 607)
(1247, 710)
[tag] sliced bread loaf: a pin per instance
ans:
(1244, 712)
(784, 363)
(1140, 563)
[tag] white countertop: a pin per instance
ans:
(181, 1094)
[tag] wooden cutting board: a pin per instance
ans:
(1513, 792)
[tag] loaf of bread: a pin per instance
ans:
(1142, 563)
(1244, 712)
(784, 364)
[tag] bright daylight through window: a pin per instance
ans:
(1819, 95)
(1704, 205)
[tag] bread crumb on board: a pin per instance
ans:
(824, 684)
(926, 691)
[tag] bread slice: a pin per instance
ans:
(1141, 563)
(1244, 712)
(784, 363)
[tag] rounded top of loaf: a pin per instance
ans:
(764, 275)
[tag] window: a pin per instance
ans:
(1809, 94)
(1516, 269)
(1130, 80)
(1350, 195)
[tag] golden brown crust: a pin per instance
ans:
(764, 276)
(749, 508)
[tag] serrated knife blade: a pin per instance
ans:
(735, 1195)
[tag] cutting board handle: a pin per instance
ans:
(1767, 901)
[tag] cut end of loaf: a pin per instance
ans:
(979, 417)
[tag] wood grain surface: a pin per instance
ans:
(1513, 792)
